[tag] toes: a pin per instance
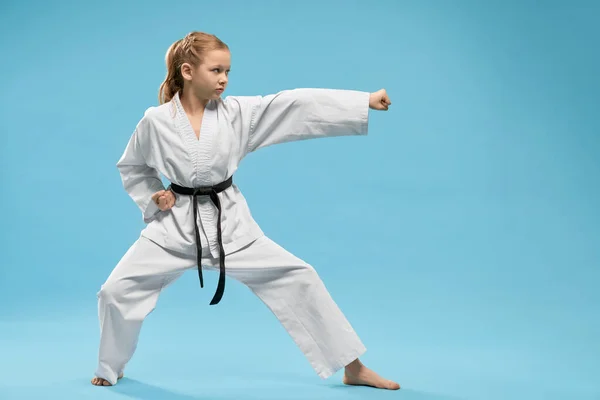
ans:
(393, 385)
(100, 382)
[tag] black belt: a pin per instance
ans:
(212, 192)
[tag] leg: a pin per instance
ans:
(127, 297)
(296, 295)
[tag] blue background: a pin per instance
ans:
(461, 236)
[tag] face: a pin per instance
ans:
(211, 75)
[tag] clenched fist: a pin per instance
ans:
(164, 199)
(379, 100)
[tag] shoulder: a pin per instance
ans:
(240, 102)
(286, 96)
(239, 109)
(155, 117)
(159, 113)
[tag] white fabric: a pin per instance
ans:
(164, 143)
(290, 287)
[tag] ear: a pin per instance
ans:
(186, 71)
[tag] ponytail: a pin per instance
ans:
(173, 81)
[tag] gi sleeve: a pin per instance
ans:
(300, 114)
(139, 180)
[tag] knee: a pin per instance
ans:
(116, 297)
(111, 292)
(127, 298)
(306, 277)
(308, 271)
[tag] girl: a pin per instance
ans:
(196, 140)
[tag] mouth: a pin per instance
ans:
(220, 90)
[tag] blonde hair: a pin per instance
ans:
(190, 49)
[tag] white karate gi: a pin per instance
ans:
(164, 142)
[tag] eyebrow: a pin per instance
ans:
(221, 66)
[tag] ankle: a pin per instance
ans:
(354, 366)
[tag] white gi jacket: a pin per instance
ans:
(164, 143)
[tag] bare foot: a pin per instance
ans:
(356, 374)
(103, 382)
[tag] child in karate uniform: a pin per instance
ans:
(196, 139)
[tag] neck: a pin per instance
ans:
(191, 103)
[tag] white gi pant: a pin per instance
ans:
(287, 285)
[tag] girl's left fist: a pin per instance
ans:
(379, 100)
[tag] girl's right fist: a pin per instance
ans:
(164, 199)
